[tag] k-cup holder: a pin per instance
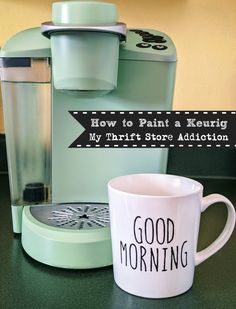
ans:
(85, 38)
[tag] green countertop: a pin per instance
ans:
(25, 283)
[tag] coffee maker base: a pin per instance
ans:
(67, 247)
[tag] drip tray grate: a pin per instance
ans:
(72, 216)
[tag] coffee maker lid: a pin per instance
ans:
(84, 13)
(31, 43)
(79, 16)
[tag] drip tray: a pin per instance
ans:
(69, 235)
(72, 216)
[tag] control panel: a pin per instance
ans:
(148, 44)
(150, 40)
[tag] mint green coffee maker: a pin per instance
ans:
(84, 60)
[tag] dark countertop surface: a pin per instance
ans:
(25, 283)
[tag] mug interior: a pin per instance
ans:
(155, 185)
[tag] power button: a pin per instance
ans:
(159, 47)
(143, 45)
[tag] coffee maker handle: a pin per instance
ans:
(225, 234)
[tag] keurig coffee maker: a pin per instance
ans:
(84, 60)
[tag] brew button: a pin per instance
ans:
(159, 47)
(143, 45)
(149, 40)
(159, 40)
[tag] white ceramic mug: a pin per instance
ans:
(154, 228)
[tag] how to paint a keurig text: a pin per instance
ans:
(150, 129)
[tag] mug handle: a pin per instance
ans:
(225, 234)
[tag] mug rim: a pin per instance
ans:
(196, 191)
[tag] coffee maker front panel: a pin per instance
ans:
(82, 174)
